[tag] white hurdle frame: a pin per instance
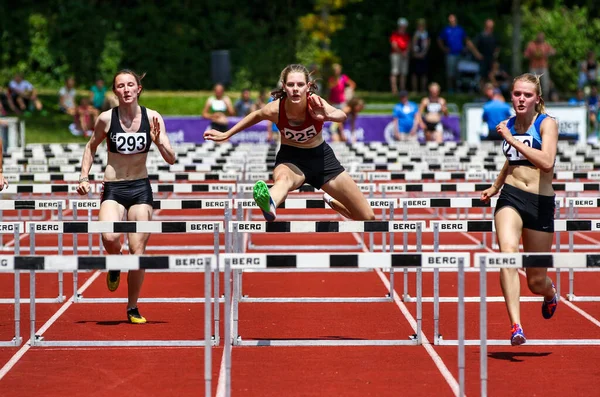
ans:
(54, 263)
(125, 227)
(521, 260)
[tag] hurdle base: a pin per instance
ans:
(575, 298)
(530, 342)
(40, 342)
(15, 342)
(315, 300)
(81, 299)
(11, 301)
(324, 342)
(472, 299)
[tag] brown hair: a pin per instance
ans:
(535, 80)
(293, 68)
(138, 78)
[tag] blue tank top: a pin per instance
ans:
(123, 142)
(531, 138)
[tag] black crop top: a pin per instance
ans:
(123, 142)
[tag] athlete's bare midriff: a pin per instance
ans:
(530, 179)
(125, 167)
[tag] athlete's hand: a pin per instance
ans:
(83, 188)
(316, 108)
(503, 131)
(155, 130)
(488, 193)
(3, 182)
(217, 136)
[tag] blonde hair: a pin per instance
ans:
(535, 80)
(293, 68)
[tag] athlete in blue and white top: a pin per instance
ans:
(525, 208)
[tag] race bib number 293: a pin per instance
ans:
(130, 142)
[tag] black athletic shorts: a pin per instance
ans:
(319, 165)
(537, 212)
(128, 193)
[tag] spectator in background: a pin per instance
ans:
(592, 103)
(217, 108)
(538, 51)
(400, 46)
(341, 87)
(588, 70)
(499, 78)
(338, 131)
(66, 97)
(98, 95)
(405, 122)
(429, 115)
(244, 105)
(3, 99)
(452, 41)
(495, 111)
(420, 49)
(23, 94)
(261, 101)
(487, 46)
(84, 119)
(579, 98)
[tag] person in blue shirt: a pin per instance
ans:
(495, 111)
(452, 41)
(405, 124)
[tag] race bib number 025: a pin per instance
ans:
(300, 136)
(513, 154)
(130, 142)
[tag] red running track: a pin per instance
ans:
(299, 371)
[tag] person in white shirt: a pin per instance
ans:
(23, 94)
(66, 97)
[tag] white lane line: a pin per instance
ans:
(19, 354)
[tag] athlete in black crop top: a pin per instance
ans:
(129, 129)
(122, 142)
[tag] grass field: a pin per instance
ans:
(52, 128)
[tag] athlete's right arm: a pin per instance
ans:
(90, 150)
(269, 112)
(496, 186)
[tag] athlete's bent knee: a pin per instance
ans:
(537, 285)
(112, 242)
(364, 216)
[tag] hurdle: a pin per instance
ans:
(537, 260)
(240, 227)
(320, 261)
(75, 227)
(15, 229)
(37, 205)
(203, 263)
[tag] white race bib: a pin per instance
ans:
(513, 154)
(130, 142)
(300, 136)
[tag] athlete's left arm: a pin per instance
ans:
(542, 159)
(331, 113)
(159, 136)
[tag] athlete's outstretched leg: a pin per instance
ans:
(287, 177)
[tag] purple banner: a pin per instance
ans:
(368, 128)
